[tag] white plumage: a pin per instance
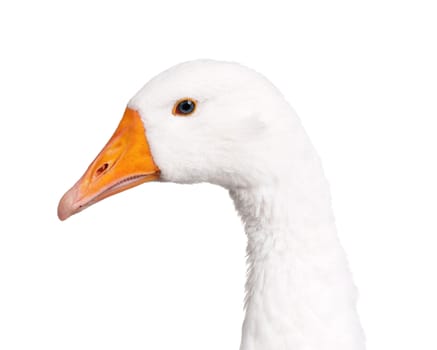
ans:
(245, 137)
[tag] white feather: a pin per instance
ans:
(245, 136)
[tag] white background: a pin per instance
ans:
(162, 266)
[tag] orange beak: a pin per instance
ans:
(123, 163)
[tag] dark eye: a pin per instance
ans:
(184, 107)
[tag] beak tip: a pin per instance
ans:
(62, 215)
(66, 204)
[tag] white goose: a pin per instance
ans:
(217, 122)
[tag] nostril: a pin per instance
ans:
(102, 169)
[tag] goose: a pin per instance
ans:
(226, 124)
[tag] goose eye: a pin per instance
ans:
(184, 107)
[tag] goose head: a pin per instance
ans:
(200, 121)
(207, 121)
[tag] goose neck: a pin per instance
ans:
(299, 292)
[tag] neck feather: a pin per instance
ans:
(299, 291)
